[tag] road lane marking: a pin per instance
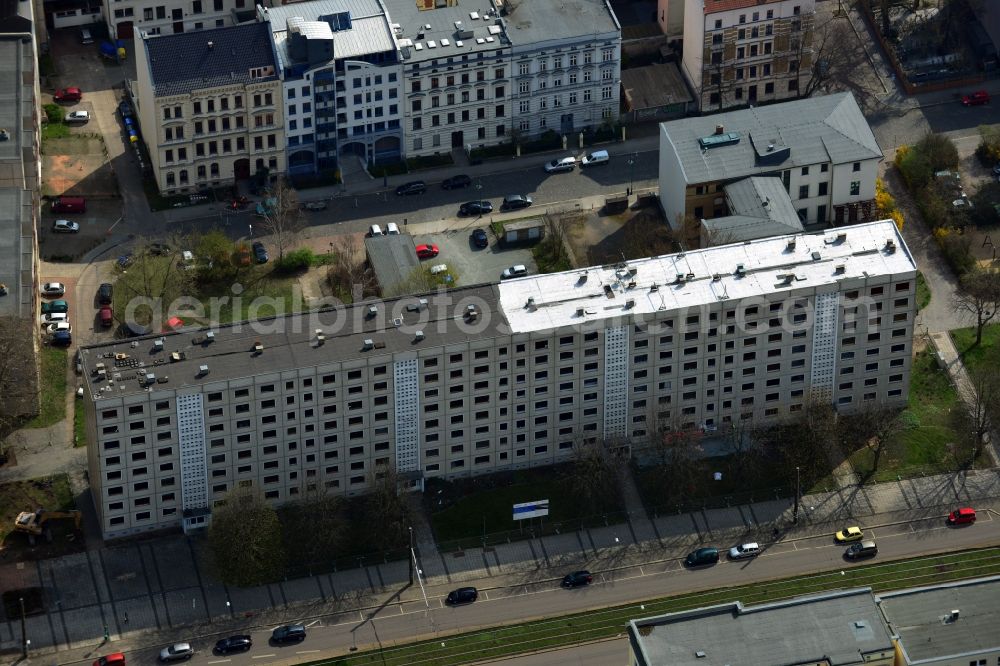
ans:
(305, 651)
(313, 622)
(262, 656)
(220, 661)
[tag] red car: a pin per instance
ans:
(976, 98)
(116, 659)
(962, 516)
(68, 95)
(427, 251)
(107, 316)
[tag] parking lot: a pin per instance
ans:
(470, 264)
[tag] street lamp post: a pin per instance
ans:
(24, 634)
(798, 491)
(411, 555)
(631, 171)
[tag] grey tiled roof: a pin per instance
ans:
(830, 128)
(760, 208)
(184, 62)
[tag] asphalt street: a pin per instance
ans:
(412, 619)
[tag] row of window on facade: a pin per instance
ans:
(176, 111)
(756, 16)
(203, 173)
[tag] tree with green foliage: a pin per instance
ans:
(874, 426)
(386, 509)
(146, 288)
(940, 150)
(214, 251)
(317, 525)
(245, 539)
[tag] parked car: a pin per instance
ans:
(744, 551)
(463, 595)
(234, 644)
(52, 329)
(479, 238)
(71, 94)
(289, 633)
(105, 293)
(849, 534)
(515, 201)
(456, 182)
(55, 306)
(374, 230)
(259, 252)
(595, 158)
(414, 187)
(62, 339)
(561, 164)
(577, 579)
(53, 318)
(177, 652)
(243, 255)
(517, 270)
(861, 550)
(975, 99)
(475, 208)
(106, 315)
(116, 659)
(65, 227)
(391, 229)
(427, 251)
(77, 116)
(701, 557)
(437, 269)
(962, 516)
(159, 249)
(125, 260)
(69, 205)
(53, 289)
(314, 205)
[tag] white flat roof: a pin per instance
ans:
(647, 286)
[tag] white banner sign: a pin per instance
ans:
(531, 510)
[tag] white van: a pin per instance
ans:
(374, 230)
(596, 157)
(392, 229)
(86, 37)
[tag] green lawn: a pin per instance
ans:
(566, 630)
(924, 447)
(988, 351)
(490, 510)
(53, 379)
(79, 425)
(47, 493)
(264, 294)
(54, 131)
(923, 292)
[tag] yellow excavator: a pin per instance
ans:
(33, 523)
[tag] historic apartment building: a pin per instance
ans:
(740, 52)
(210, 106)
(171, 17)
(495, 377)
(772, 169)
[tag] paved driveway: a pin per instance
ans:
(471, 264)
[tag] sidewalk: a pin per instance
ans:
(162, 587)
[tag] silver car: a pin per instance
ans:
(744, 550)
(177, 652)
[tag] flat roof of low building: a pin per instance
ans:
(922, 618)
(445, 30)
(369, 31)
(654, 86)
(393, 258)
(701, 277)
(289, 342)
(837, 628)
(531, 22)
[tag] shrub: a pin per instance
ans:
(940, 150)
(956, 249)
(915, 168)
(295, 261)
(54, 113)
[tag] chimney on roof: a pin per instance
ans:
(719, 129)
(211, 45)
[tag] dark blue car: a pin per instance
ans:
(259, 252)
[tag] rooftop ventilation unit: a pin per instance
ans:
(372, 311)
(741, 270)
(716, 277)
(680, 278)
(368, 344)
(258, 348)
(954, 614)
(629, 304)
(579, 312)
(654, 287)
(397, 322)
(158, 344)
(210, 336)
(791, 245)
(202, 370)
(419, 335)
(839, 269)
(633, 270)
(320, 336)
(841, 237)
(531, 303)
(150, 378)
(890, 246)
(582, 278)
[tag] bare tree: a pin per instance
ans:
(316, 524)
(596, 473)
(419, 281)
(828, 59)
(974, 418)
(281, 219)
(350, 275)
(154, 277)
(978, 296)
(18, 374)
(386, 508)
(245, 539)
(677, 453)
(875, 426)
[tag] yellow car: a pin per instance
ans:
(849, 534)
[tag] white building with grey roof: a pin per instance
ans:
(210, 106)
(820, 152)
(492, 377)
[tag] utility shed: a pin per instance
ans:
(528, 230)
(393, 258)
